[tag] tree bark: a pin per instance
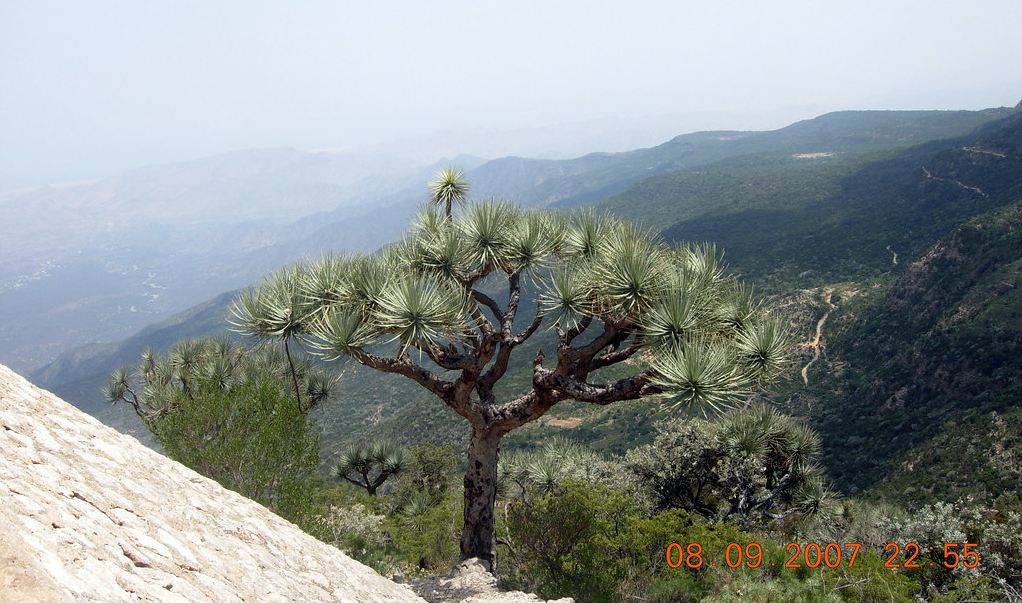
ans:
(478, 537)
(294, 376)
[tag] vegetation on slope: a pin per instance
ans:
(915, 393)
(810, 223)
(933, 356)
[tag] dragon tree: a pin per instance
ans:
(618, 315)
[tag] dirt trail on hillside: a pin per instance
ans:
(985, 152)
(819, 336)
(974, 189)
(894, 260)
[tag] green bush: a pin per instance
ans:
(231, 414)
(428, 473)
(250, 438)
(753, 465)
(427, 535)
(594, 542)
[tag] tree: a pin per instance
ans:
(615, 298)
(230, 414)
(526, 475)
(756, 463)
(428, 473)
(370, 466)
(448, 188)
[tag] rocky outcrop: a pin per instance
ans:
(89, 514)
(470, 582)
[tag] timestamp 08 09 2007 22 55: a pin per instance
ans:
(816, 555)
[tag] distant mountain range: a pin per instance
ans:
(96, 262)
(900, 227)
(927, 376)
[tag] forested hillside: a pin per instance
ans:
(924, 375)
(841, 204)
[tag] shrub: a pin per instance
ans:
(755, 464)
(232, 415)
(426, 535)
(428, 473)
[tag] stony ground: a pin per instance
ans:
(470, 583)
(88, 514)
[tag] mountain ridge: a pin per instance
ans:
(850, 189)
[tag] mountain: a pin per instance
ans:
(788, 222)
(568, 140)
(96, 262)
(798, 215)
(596, 176)
(926, 373)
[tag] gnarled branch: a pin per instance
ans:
(450, 359)
(531, 329)
(487, 301)
(404, 366)
(616, 356)
(629, 388)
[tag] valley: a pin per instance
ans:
(816, 344)
(791, 226)
(570, 302)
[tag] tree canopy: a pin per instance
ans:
(706, 339)
(441, 307)
(230, 413)
(755, 464)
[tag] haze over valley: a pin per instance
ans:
(520, 298)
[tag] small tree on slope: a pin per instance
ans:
(369, 466)
(425, 308)
(232, 415)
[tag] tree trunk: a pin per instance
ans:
(478, 537)
(294, 376)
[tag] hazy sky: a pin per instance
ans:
(91, 88)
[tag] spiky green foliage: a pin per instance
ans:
(340, 334)
(754, 465)
(230, 414)
(761, 346)
(566, 299)
(285, 306)
(369, 466)
(535, 236)
(425, 308)
(321, 282)
(422, 311)
(442, 252)
(487, 229)
(156, 387)
(525, 475)
(448, 188)
(700, 372)
(585, 235)
(710, 341)
(629, 272)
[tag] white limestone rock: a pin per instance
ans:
(89, 514)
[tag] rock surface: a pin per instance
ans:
(89, 514)
(471, 583)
